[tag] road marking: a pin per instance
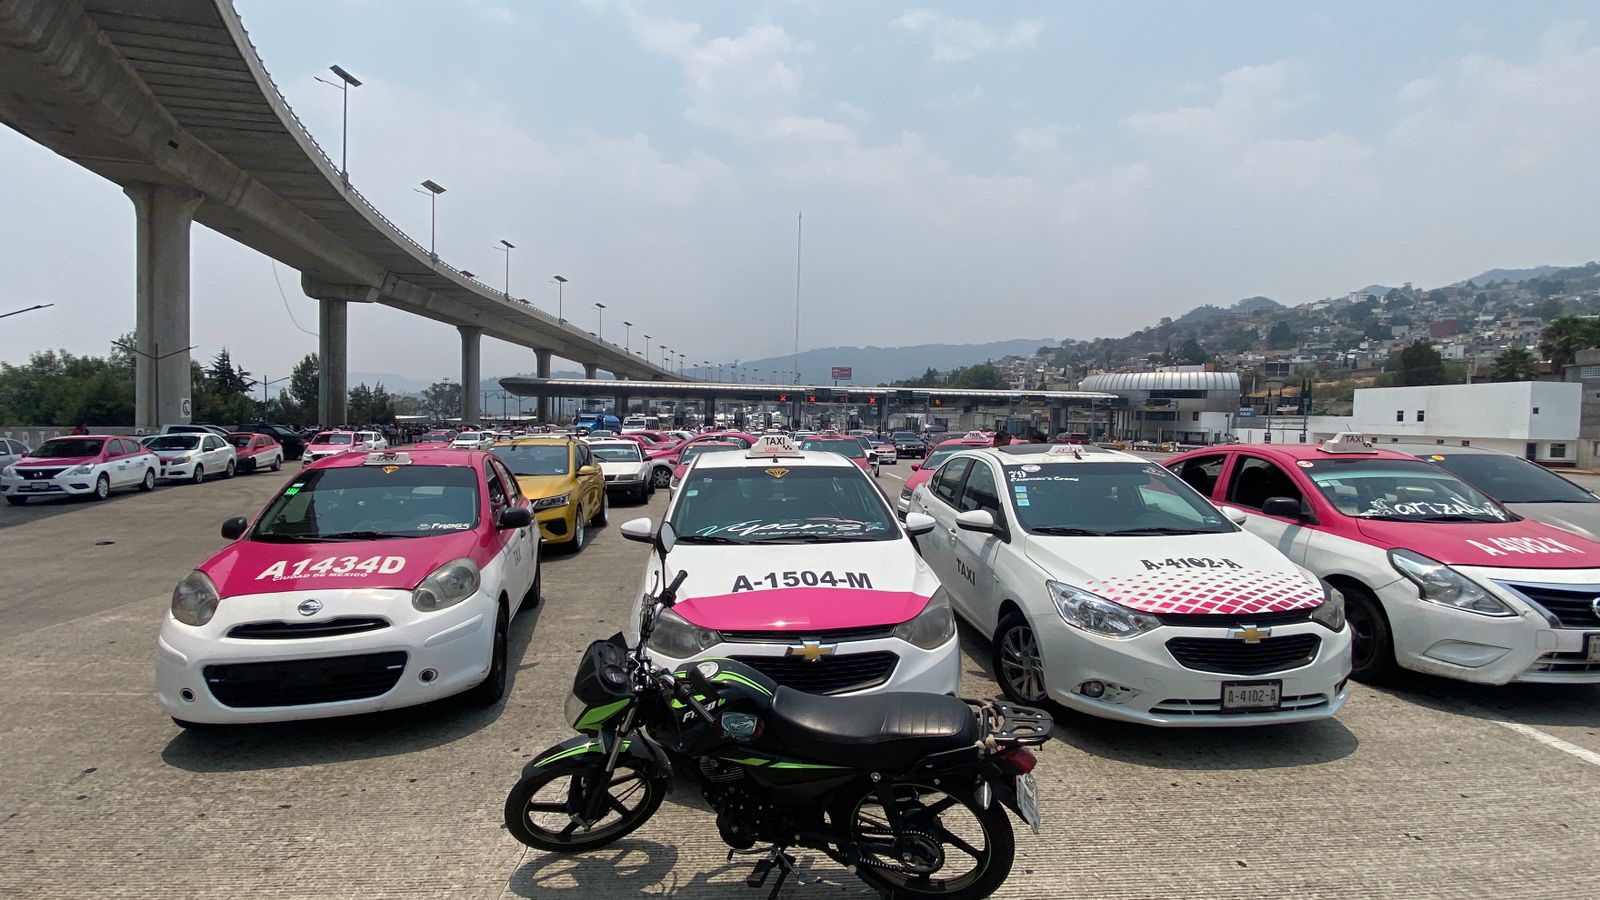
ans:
(1549, 740)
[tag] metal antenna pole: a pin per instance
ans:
(799, 222)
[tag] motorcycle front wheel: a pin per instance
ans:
(542, 809)
(947, 846)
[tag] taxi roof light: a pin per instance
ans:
(772, 446)
(1347, 442)
(387, 458)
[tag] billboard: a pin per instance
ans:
(842, 373)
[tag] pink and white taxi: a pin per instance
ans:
(1436, 576)
(797, 566)
(371, 581)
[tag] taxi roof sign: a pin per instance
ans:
(387, 458)
(975, 436)
(1347, 442)
(771, 446)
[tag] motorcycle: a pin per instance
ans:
(907, 791)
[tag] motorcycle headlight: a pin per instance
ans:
(194, 600)
(1330, 614)
(931, 627)
(551, 502)
(1438, 583)
(679, 638)
(448, 585)
(1096, 614)
(79, 470)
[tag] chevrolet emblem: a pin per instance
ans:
(811, 650)
(1250, 634)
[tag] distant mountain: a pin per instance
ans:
(1515, 276)
(873, 365)
(1256, 304)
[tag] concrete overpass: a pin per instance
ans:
(169, 99)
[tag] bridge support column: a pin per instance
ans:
(333, 362)
(590, 370)
(162, 389)
(623, 401)
(542, 369)
(470, 340)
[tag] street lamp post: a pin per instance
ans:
(433, 191)
(561, 315)
(627, 337)
(26, 309)
(600, 328)
(645, 350)
(347, 81)
(155, 359)
(665, 358)
(266, 384)
(506, 247)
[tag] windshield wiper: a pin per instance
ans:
(1456, 518)
(1158, 530)
(706, 539)
(1066, 530)
(362, 535)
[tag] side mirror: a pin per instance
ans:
(916, 467)
(588, 470)
(1236, 516)
(920, 523)
(1282, 507)
(640, 529)
(234, 528)
(980, 520)
(666, 539)
(515, 517)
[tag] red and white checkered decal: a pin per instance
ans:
(1226, 593)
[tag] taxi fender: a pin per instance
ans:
(1362, 563)
(593, 749)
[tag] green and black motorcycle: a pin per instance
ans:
(905, 790)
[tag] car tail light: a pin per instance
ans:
(1021, 759)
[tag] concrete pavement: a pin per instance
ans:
(1427, 789)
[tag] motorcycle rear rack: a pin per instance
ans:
(1011, 723)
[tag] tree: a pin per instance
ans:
(225, 378)
(1515, 364)
(1420, 363)
(442, 399)
(981, 377)
(1550, 310)
(1192, 353)
(1281, 336)
(305, 382)
(1564, 337)
(371, 405)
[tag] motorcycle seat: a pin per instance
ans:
(877, 731)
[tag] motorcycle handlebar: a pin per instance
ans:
(670, 594)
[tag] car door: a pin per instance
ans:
(1203, 473)
(522, 543)
(938, 546)
(976, 554)
(214, 451)
(593, 484)
(1251, 481)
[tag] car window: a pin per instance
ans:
(1255, 480)
(1112, 498)
(1201, 472)
(535, 459)
(512, 487)
(947, 481)
(846, 447)
(1400, 490)
(618, 452)
(981, 492)
(384, 501)
(1510, 479)
(782, 504)
(243, 441)
(171, 442)
(60, 448)
(497, 489)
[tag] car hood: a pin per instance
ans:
(800, 587)
(1507, 545)
(53, 462)
(1582, 519)
(536, 486)
(257, 567)
(1202, 573)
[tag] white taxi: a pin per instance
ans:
(1108, 585)
(626, 470)
(191, 457)
(371, 581)
(797, 566)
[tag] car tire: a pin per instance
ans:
(535, 590)
(199, 474)
(277, 462)
(660, 477)
(17, 501)
(228, 472)
(149, 483)
(603, 517)
(102, 487)
(1017, 665)
(580, 533)
(1371, 639)
(493, 686)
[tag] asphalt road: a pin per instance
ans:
(1426, 789)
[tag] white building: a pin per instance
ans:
(1537, 420)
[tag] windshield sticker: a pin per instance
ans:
(1304, 463)
(1504, 546)
(759, 529)
(290, 491)
(390, 470)
(1190, 562)
(1427, 510)
(334, 567)
(1019, 475)
(1030, 467)
(1154, 471)
(694, 492)
(1022, 500)
(1436, 458)
(444, 526)
(1020, 488)
(805, 578)
(776, 472)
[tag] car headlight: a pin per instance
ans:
(9, 472)
(1330, 614)
(79, 470)
(679, 638)
(449, 584)
(551, 502)
(194, 600)
(1438, 583)
(905, 493)
(931, 627)
(1096, 614)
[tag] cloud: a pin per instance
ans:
(850, 111)
(955, 40)
(968, 97)
(1248, 98)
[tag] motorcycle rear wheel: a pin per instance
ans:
(540, 807)
(976, 845)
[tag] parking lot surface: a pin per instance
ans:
(1427, 788)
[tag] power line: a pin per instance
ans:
(274, 264)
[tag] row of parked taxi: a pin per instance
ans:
(94, 465)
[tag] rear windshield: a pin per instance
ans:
(330, 438)
(849, 448)
(618, 453)
(174, 442)
(534, 459)
(694, 450)
(62, 448)
(468, 436)
(241, 441)
(1511, 480)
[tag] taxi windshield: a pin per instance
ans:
(780, 504)
(846, 447)
(1400, 490)
(617, 452)
(365, 503)
(329, 437)
(433, 439)
(534, 459)
(64, 448)
(241, 441)
(694, 450)
(173, 442)
(1108, 499)
(1511, 480)
(468, 436)
(937, 457)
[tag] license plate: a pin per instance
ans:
(33, 487)
(1241, 695)
(1592, 647)
(1028, 800)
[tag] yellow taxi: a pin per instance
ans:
(563, 480)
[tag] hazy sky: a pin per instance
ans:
(967, 171)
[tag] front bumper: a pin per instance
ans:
(59, 486)
(445, 652)
(936, 671)
(621, 486)
(1146, 683)
(176, 471)
(557, 524)
(1526, 647)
